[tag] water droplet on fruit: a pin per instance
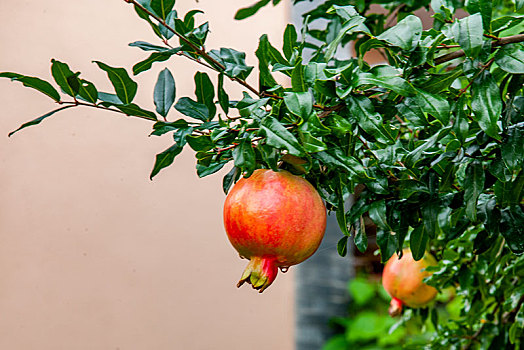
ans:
(284, 269)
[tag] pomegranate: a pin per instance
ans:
(402, 279)
(274, 219)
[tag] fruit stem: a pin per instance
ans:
(395, 307)
(260, 273)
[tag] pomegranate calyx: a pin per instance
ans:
(260, 273)
(395, 307)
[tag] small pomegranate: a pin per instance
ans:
(274, 219)
(402, 279)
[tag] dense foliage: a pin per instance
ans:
(430, 143)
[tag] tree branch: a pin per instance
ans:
(459, 53)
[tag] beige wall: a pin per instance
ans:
(93, 255)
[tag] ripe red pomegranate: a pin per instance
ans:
(274, 219)
(402, 279)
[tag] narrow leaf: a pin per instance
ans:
(278, 136)
(406, 34)
(39, 120)
(125, 88)
(162, 7)
(511, 58)
(205, 92)
(487, 104)
(473, 186)
(65, 78)
(34, 83)
(468, 33)
(165, 92)
(165, 159)
(418, 241)
(251, 10)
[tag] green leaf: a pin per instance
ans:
(511, 228)
(125, 88)
(341, 211)
(505, 22)
(290, 40)
(349, 27)
(205, 92)
(135, 110)
(201, 143)
(162, 7)
(406, 34)
(468, 32)
(145, 16)
(278, 136)
(484, 7)
(377, 213)
(369, 120)
(165, 92)
(430, 212)
(229, 179)
(441, 82)
(146, 64)
(233, 61)
(387, 244)
(360, 238)
(206, 170)
(411, 158)
(486, 104)
(512, 149)
(34, 83)
(312, 144)
(394, 83)
(511, 58)
(192, 109)
(87, 91)
(418, 241)
(473, 186)
(170, 20)
(245, 158)
(266, 80)
(509, 192)
(39, 120)
(342, 246)
(299, 103)
(519, 4)
(433, 104)
(336, 158)
(298, 81)
(223, 98)
(149, 47)
(165, 159)
(251, 10)
(65, 78)
(109, 98)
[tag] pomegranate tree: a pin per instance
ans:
(274, 219)
(403, 280)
